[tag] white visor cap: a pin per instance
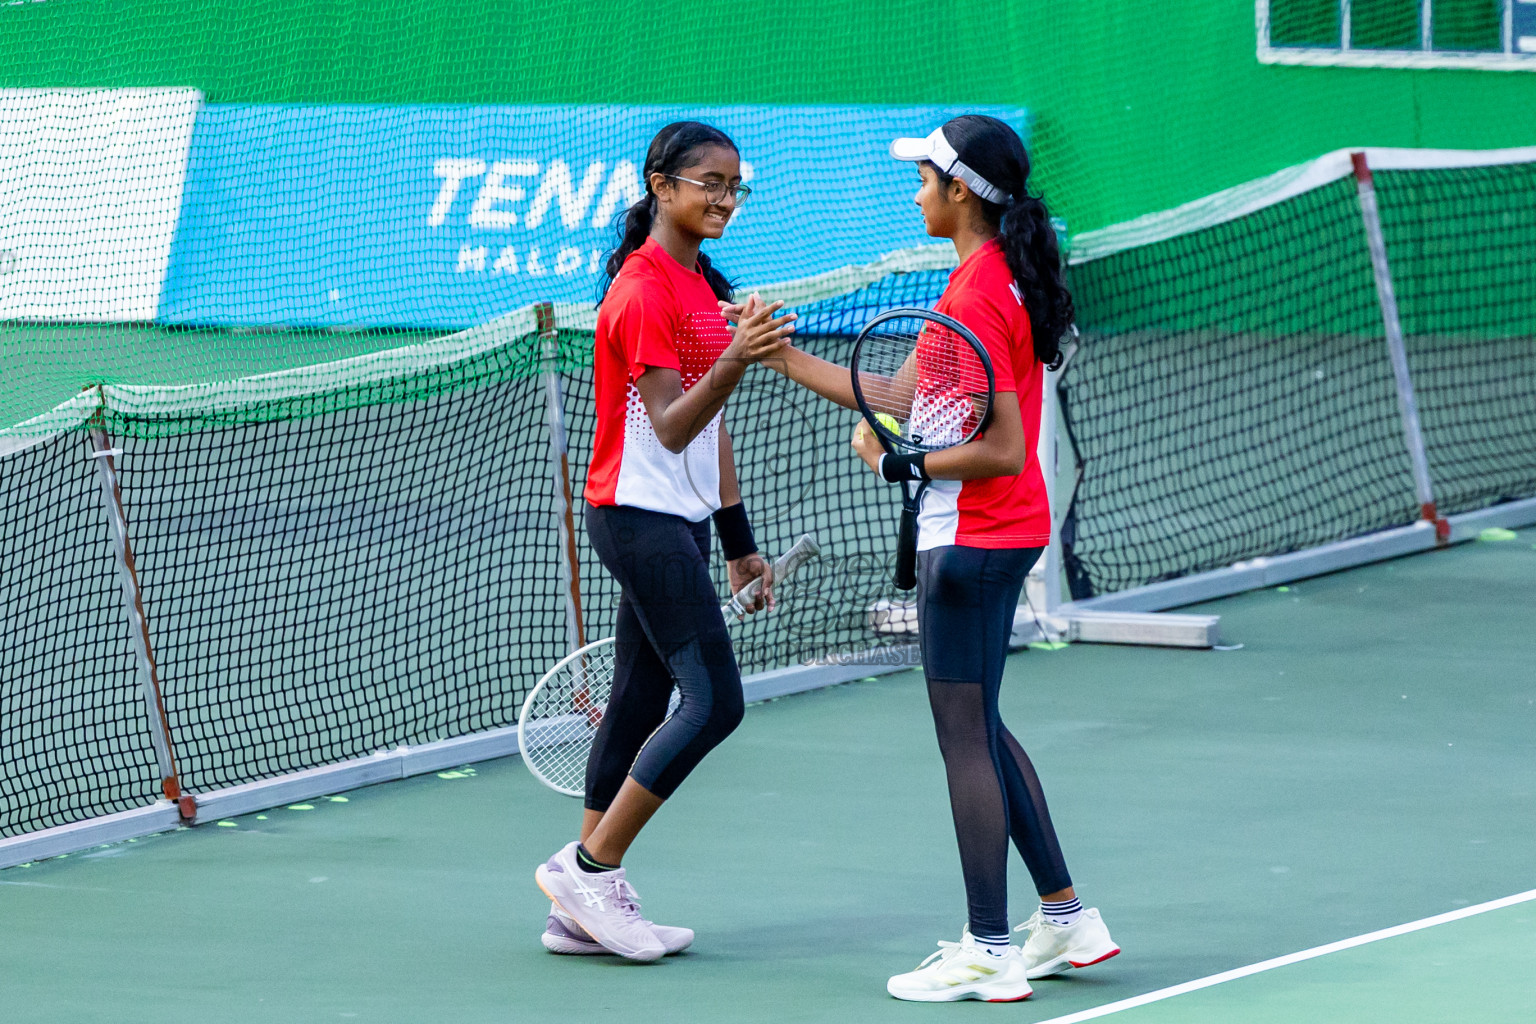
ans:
(937, 149)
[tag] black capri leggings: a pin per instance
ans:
(669, 633)
(965, 603)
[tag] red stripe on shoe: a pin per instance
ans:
(1100, 960)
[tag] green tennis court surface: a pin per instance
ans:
(1477, 968)
(1363, 761)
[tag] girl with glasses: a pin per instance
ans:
(662, 468)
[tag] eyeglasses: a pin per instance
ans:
(716, 191)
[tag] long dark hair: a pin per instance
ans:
(993, 150)
(671, 150)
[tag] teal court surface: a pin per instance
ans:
(1363, 762)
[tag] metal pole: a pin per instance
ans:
(570, 566)
(103, 453)
(1049, 466)
(1055, 557)
(1413, 434)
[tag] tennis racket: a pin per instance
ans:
(562, 712)
(924, 383)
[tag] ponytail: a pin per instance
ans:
(670, 151)
(1029, 245)
(722, 288)
(994, 150)
(633, 231)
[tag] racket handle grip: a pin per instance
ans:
(906, 551)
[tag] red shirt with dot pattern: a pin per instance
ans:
(1000, 511)
(657, 313)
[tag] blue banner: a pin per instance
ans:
(447, 216)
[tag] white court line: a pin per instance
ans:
(1291, 958)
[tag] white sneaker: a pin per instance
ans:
(563, 935)
(602, 902)
(1053, 948)
(964, 970)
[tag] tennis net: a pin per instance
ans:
(1461, 240)
(342, 558)
(327, 573)
(1233, 395)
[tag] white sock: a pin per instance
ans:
(1064, 913)
(997, 945)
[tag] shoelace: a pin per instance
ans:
(1034, 924)
(946, 950)
(624, 898)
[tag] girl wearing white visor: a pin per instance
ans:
(984, 522)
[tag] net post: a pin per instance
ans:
(1413, 434)
(560, 469)
(1050, 465)
(103, 454)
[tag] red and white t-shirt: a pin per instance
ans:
(999, 511)
(656, 314)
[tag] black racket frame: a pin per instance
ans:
(905, 577)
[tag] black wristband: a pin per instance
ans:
(898, 469)
(735, 532)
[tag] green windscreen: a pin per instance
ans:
(1233, 396)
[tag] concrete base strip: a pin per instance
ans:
(1257, 573)
(160, 816)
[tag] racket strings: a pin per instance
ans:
(562, 714)
(927, 379)
(558, 727)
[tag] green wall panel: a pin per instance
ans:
(1137, 108)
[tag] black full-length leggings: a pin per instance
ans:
(965, 603)
(669, 633)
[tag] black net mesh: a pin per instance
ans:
(326, 587)
(72, 737)
(1232, 397)
(1460, 244)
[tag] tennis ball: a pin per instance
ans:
(1497, 533)
(889, 423)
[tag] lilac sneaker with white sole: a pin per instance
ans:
(602, 902)
(563, 935)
